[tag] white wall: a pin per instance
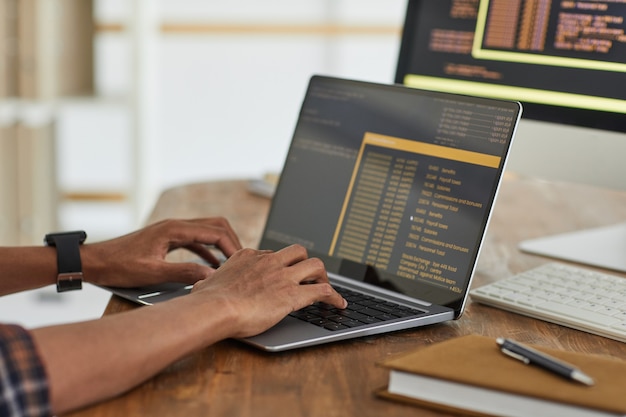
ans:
(225, 101)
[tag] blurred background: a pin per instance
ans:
(106, 103)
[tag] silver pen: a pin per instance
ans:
(531, 356)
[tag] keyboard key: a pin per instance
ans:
(576, 313)
(368, 311)
(370, 320)
(362, 310)
(334, 326)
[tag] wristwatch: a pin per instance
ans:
(69, 267)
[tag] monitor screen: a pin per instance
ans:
(564, 60)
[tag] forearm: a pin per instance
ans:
(135, 259)
(91, 361)
(26, 268)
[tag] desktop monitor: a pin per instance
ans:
(564, 60)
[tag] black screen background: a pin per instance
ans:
(333, 120)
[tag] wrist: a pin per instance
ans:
(69, 264)
(220, 320)
(94, 267)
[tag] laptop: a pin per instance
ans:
(392, 187)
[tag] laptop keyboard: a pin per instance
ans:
(362, 310)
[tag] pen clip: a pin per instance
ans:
(515, 355)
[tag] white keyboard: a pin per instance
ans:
(571, 296)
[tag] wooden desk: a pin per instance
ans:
(232, 379)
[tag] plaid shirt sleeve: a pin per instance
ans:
(23, 381)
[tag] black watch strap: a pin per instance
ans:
(69, 266)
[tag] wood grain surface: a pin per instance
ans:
(232, 379)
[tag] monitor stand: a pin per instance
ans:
(603, 247)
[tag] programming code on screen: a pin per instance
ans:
(399, 182)
(570, 54)
(569, 33)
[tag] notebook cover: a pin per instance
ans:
(383, 393)
(477, 360)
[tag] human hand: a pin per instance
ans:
(259, 288)
(138, 258)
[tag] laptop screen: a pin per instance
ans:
(392, 186)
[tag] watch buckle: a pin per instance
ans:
(68, 281)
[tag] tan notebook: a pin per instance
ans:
(470, 375)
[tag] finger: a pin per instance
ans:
(309, 271)
(223, 224)
(321, 292)
(312, 273)
(205, 252)
(292, 255)
(184, 272)
(205, 232)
